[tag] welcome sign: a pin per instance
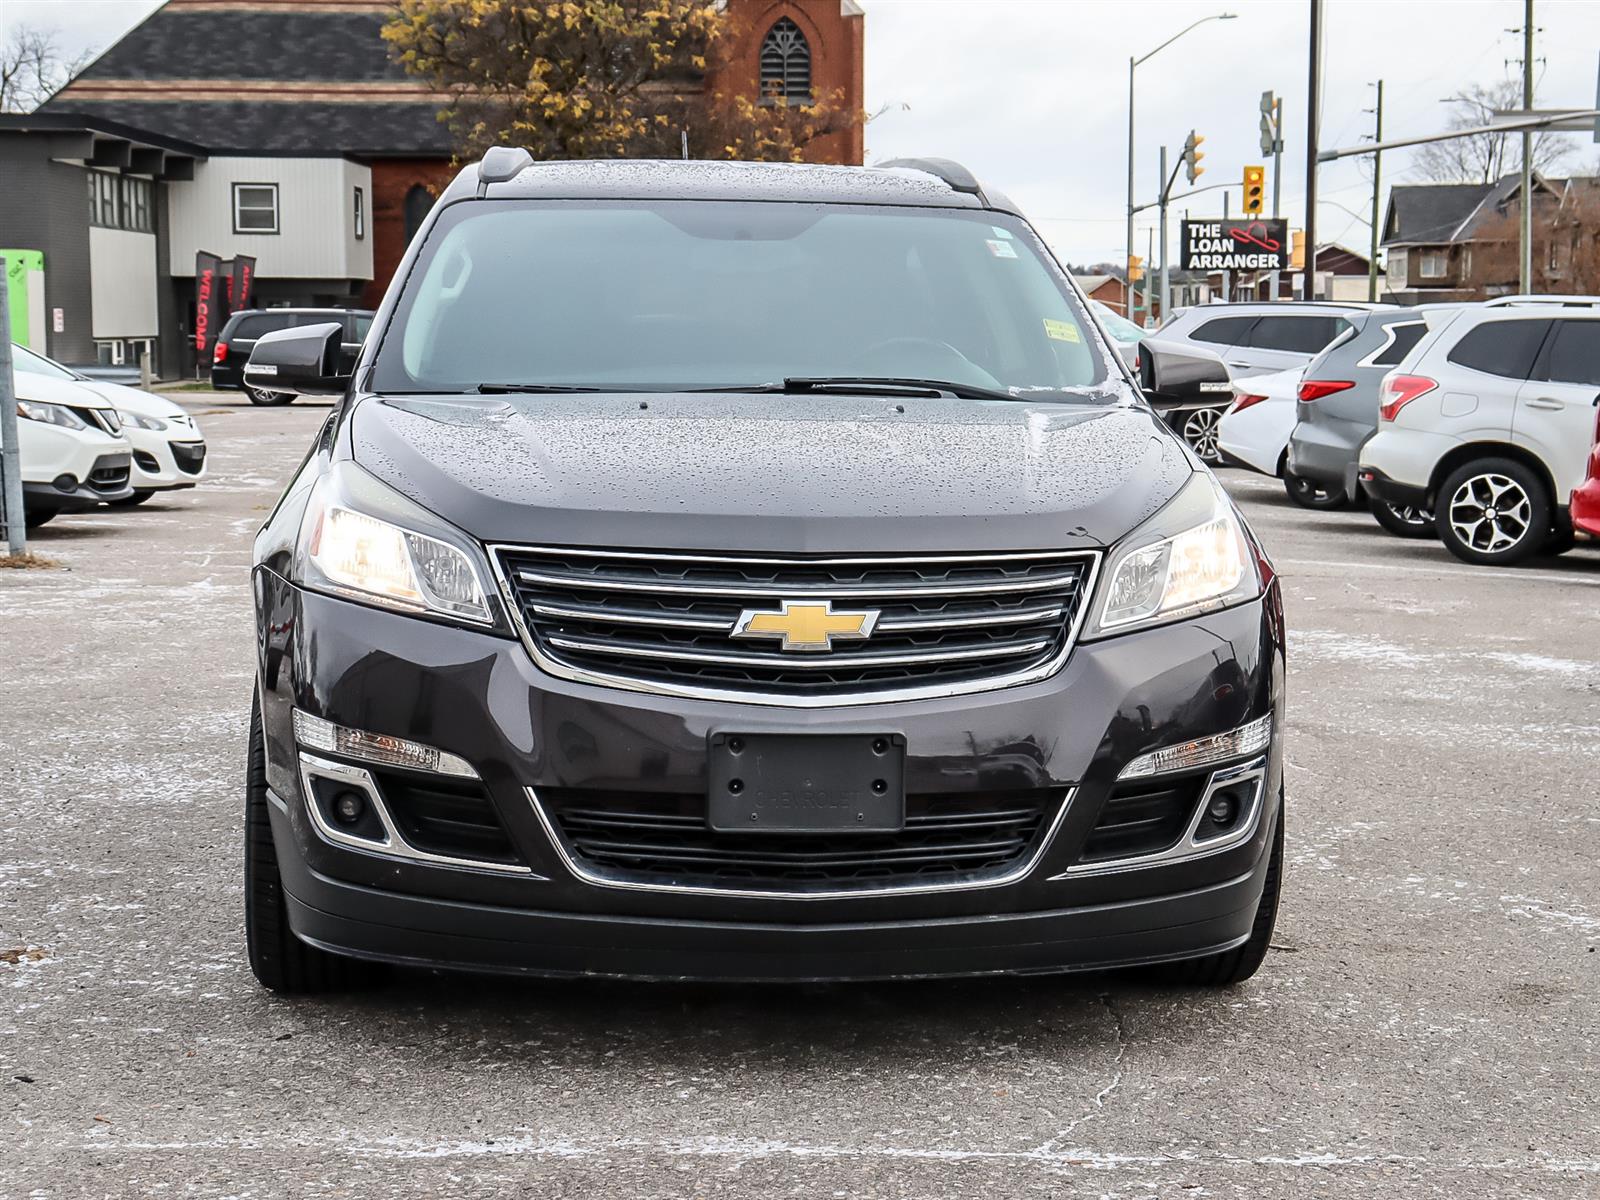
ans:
(1245, 245)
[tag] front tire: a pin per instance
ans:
(1493, 512)
(281, 962)
(1200, 431)
(1240, 963)
(1402, 520)
(1308, 493)
(268, 399)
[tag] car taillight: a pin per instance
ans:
(1316, 389)
(1244, 402)
(1401, 390)
(220, 354)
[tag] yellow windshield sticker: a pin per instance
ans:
(1061, 331)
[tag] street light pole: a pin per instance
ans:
(1133, 62)
(1525, 273)
(1308, 290)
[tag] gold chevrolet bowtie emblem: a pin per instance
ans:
(805, 625)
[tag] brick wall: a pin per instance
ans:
(392, 181)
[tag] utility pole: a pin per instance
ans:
(1227, 276)
(1313, 112)
(1272, 141)
(1149, 257)
(1377, 183)
(1127, 254)
(1525, 273)
(1166, 187)
(10, 459)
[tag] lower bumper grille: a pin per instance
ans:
(664, 841)
(110, 472)
(443, 816)
(1143, 817)
(190, 456)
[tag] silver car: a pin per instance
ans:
(1252, 339)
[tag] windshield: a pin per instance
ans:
(29, 363)
(679, 295)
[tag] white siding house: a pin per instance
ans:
(298, 217)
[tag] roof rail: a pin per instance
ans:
(953, 173)
(500, 164)
(1552, 298)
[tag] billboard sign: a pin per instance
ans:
(1254, 244)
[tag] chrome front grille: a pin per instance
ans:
(664, 622)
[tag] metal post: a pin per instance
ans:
(1377, 183)
(1149, 257)
(144, 370)
(16, 524)
(1277, 182)
(1166, 294)
(1227, 276)
(1525, 271)
(1313, 113)
(1127, 258)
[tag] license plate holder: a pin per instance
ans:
(806, 782)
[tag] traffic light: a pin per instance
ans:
(1192, 154)
(1269, 123)
(1135, 268)
(1255, 186)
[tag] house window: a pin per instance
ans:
(120, 202)
(1432, 264)
(361, 215)
(785, 64)
(255, 208)
(419, 202)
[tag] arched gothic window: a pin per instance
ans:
(785, 64)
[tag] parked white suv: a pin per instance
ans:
(168, 449)
(71, 446)
(1488, 422)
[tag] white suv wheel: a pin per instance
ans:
(1495, 511)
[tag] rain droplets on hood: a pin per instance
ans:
(811, 456)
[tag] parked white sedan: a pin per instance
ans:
(168, 449)
(1254, 432)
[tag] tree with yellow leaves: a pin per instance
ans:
(597, 79)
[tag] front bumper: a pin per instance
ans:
(1585, 510)
(480, 696)
(162, 461)
(105, 478)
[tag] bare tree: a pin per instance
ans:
(33, 68)
(1486, 157)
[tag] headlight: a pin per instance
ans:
(141, 422)
(1191, 557)
(362, 539)
(50, 414)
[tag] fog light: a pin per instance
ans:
(65, 483)
(1236, 743)
(1222, 810)
(316, 734)
(349, 807)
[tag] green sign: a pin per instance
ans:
(25, 283)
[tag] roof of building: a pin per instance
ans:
(1093, 283)
(1440, 213)
(641, 178)
(262, 76)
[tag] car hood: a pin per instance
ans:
(44, 390)
(789, 473)
(134, 400)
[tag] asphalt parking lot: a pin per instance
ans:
(1428, 1023)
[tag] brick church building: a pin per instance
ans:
(283, 130)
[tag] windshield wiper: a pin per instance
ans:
(501, 389)
(797, 385)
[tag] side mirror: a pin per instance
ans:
(1181, 371)
(303, 360)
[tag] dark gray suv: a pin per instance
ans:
(1338, 408)
(751, 571)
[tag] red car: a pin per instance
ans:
(1586, 496)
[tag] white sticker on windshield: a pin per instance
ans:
(1000, 249)
(1001, 233)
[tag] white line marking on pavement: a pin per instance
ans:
(1498, 573)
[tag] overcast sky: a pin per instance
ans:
(1032, 94)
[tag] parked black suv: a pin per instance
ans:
(746, 571)
(243, 328)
